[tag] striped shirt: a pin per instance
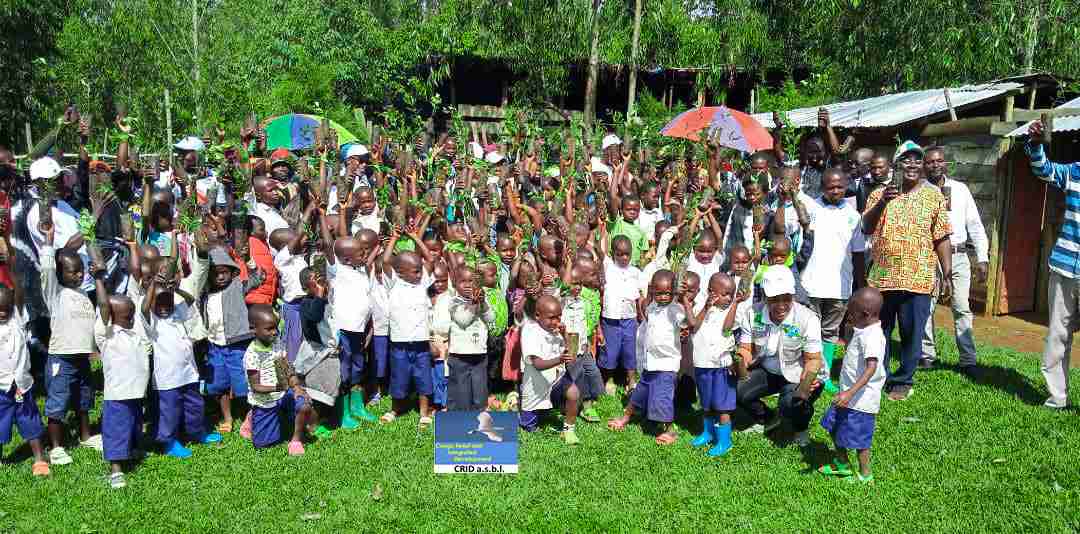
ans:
(1065, 258)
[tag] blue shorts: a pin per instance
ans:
(558, 390)
(850, 429)
(121, 428)
(266, 423)
(380, 349)
(654, 396)
(180, 413)
(620, 344)
(22, 414)
(67, 383)
(716, 389)
(352, 357)
(439, 382)
(227, 369)
(410, 369)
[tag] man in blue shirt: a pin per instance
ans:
(1064, 269)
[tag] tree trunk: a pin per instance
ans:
(594, 68)
(1032, 39)
(634, 58)
(196, 70)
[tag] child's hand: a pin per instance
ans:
(49, 230)
(547, 280)
(842, 399)
(97, 270)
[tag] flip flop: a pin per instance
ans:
(590, 416)
(387, 418)
(425, 421)
(834, 470)
(224, 427)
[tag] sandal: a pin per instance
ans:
(835, 470)
(858, 478)
(425, 421)
(40, 469)
(224, 427)
(388, 418)
(590, 416)
(667, 438)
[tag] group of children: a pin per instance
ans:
(553, 300)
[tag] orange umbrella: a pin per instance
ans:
(728, 127)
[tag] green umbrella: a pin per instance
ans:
(296, 131)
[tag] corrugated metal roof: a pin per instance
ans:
(1061, 124)
(893, 110)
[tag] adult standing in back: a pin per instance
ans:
(908, 228)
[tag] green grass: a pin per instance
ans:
(957, 457)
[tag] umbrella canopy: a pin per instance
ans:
(730, 128)
(296, 131)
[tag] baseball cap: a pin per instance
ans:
(280, 155)
(778, 280)
(190, 143)
(356, 150)
(596, 165)
(44, 168)
(907, 147)
(493, 157)
(610, 140)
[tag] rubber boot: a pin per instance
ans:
(723, 440)
(358, 408)
(707, 436)
(827, 352)
(347, 421)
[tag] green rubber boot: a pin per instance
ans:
(827, 352)
(358, 408)
(347, 421)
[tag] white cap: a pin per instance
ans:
(190, 143)
(44, 168)
(476, 150)
(778, 280)
(610, 140)
(493, 157)
(596, 165)
(357, 150)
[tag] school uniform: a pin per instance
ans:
(71, 318)
(17, 406)
(269, 411)
(350, 298)
(618, 317)
(853, 427)
(176, 379)
(378, 363)
(704, 272)
(464, 324)
(654, 395)
(829, 273)
(410, 354)
(440, 349)
(289, 267)
(227, 330)
(125, 359)
(712, 354)
(541, 390)
(584, 372)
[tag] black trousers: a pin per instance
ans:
(467, 387)
(762, 383)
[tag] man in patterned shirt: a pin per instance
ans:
(910, 232)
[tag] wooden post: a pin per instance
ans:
(1010, 105)
(29, 139)
(753, 100)
(168, 126)
(948, 102)
(1031, 96)
(634, 59)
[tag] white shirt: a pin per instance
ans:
(713, 346)
(66, 225)
(620, 290)
(270, 217)
(866, 344)
(573, 316)
(660, 261)
(662, 344)
(408, 310)
(174, 355)
(350, 295)
(457, 320)
(204, 185)
(380, 308)
(965, 221)
(125, 359)
(780, 348)
(838, 234)
(263, 362)
(647, 219)
(704, 272)
(14, 354)
(536, 384)
(71, 314)
(289, 267)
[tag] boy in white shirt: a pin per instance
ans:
(618, 317)
(176, 379)
(67, 372)
(378, 365)
(544, 381)
(851, 419)
(654, 395)
(351, 286)
(274, 389)
(407, 278)
(714, 345)
(17, 406)
(125, 360)
(464, 324)
(289, 262)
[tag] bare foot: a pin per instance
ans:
(667, 438)
(618, 424)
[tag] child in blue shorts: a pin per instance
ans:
(545, 382)
(851, 418)
(714, 344)
(618, 316)
(274, 389)
(349, 273)
(654, 396)
(17, 406)
(440, 342)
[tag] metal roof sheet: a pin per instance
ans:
(894, 109)
(1061, 124)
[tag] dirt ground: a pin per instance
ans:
(1025, 332)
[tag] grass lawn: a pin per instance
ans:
(958, 457)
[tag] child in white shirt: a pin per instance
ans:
(464, 324)
(125, 359)
(176, 379)
(654, 395)
(851, 418)
(289, 262)
(17, 406)
(351, 286)
(544, 381)
(274, 389)
(714, 344)
(618, 317)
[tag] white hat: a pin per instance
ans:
(476, 150)
(493, 157)
(190, 143)
(778, 280)
(357, 150)
(596, 165)
(44, 168)
(610, 140)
